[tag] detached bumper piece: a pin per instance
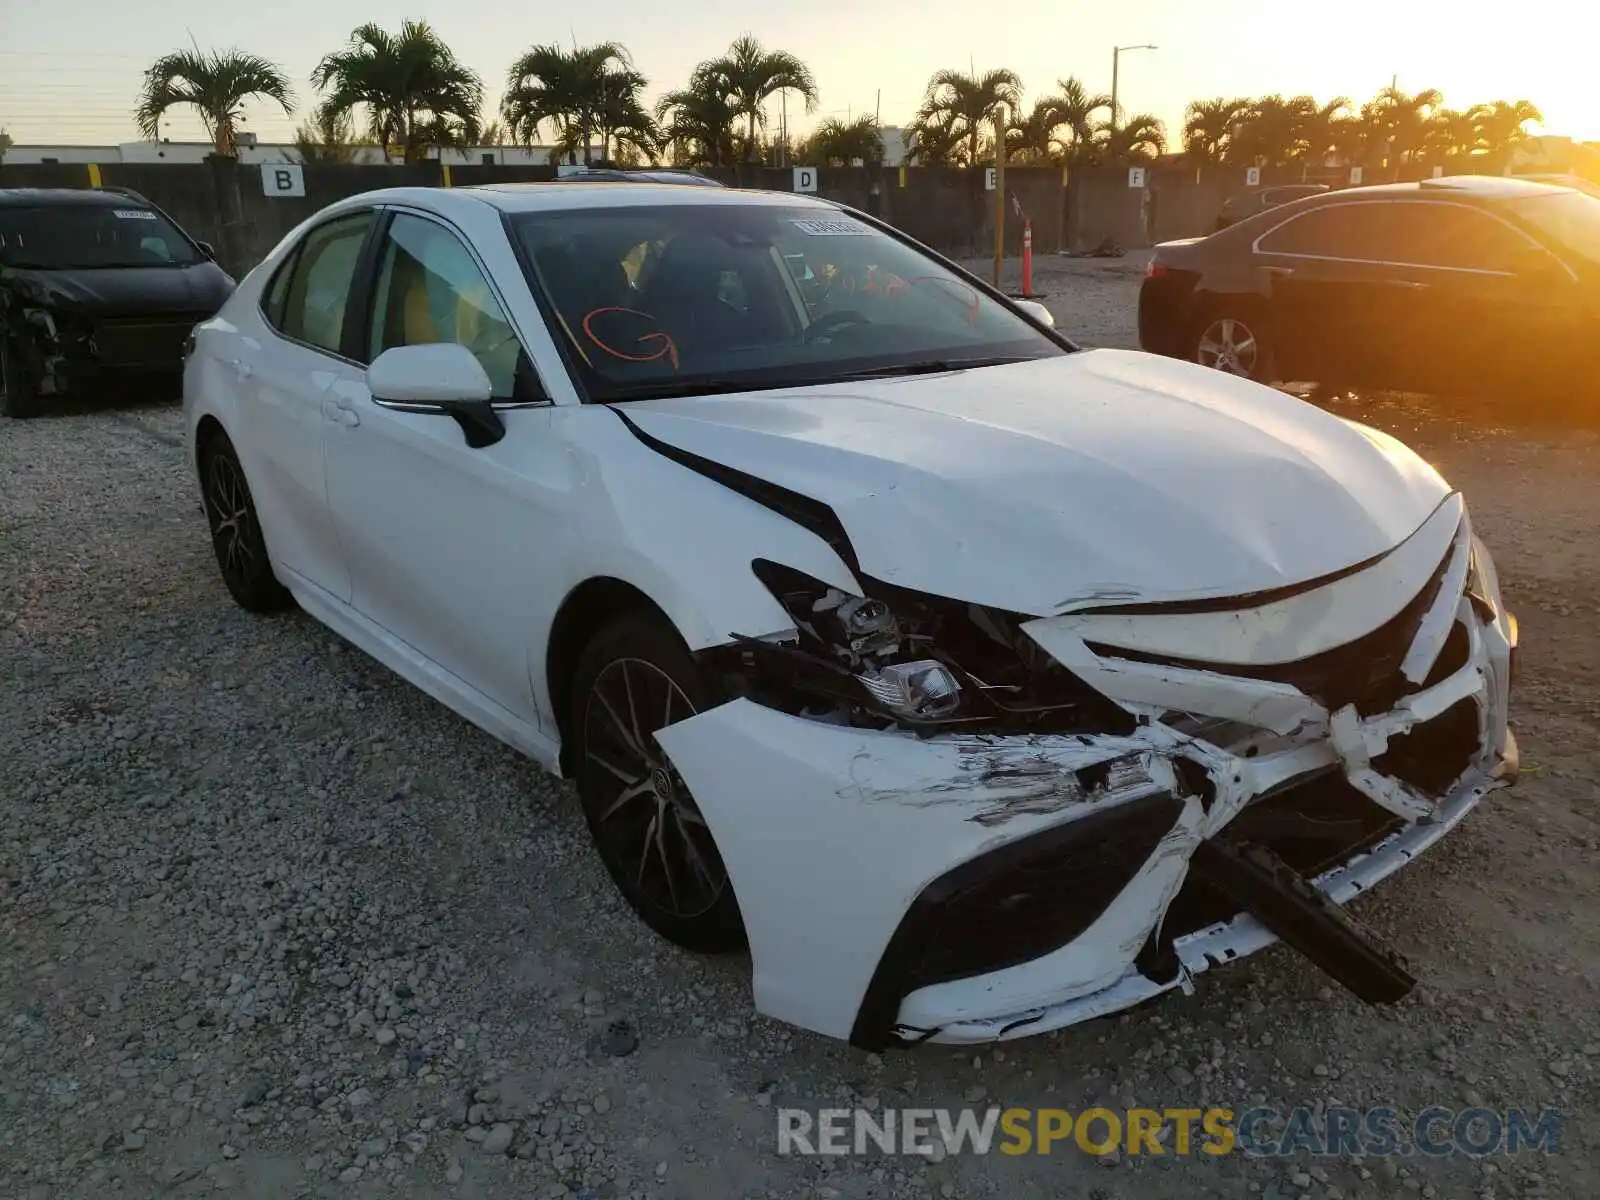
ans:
(1270, 890)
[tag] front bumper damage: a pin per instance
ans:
(968, 888)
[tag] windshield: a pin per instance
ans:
(76, 237)
(1570, 218)
(668, 300)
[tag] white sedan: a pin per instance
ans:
(976, 683)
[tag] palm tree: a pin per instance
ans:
(698, 121)
(1033, 139)
(1451, 133)
(494, 134)
(578, 92)
(1208, 128)
(1399, 122)
(1501, 126)
(1137, 139)
(936, 142)
(1076, 109)
(328, 138)
(840, 143)
(1274, 131)
(749, 75)
(415, 91)
(958, 105)
(215, 85)
(1320, 133)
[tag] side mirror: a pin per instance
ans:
(208, 250)
(441, 377)
(1038, 312)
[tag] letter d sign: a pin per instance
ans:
(283, 179)
(805, 179)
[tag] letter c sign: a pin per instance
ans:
(283, 179)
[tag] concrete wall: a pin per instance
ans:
(948, 209)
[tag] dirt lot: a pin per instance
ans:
(273, 923)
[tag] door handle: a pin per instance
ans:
(1281, 272)
(340, 411)
(1409, 285)
(241, 368)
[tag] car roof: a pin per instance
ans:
(541, 197)
(642, 175)
(89, 197)
(1485, 188)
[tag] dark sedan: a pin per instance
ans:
(1248, 204)
(97, 287)
(1462, 284)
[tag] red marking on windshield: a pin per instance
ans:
(668, 351)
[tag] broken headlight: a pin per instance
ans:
(908, 658)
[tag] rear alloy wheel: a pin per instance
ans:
(19, 397)
(1234, 345)
(636, 677)
(236, 531)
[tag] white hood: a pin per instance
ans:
(1095, 478)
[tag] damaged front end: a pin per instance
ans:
(948, 822)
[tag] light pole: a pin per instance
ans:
(1116, 54)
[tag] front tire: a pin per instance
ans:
(19, 396)
(634, 678)
(236, 535)
(1235, 342)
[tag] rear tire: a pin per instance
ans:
(236, 535)
(19, 396)
(1235, 341)
(634, 678)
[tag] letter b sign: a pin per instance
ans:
(283, 179)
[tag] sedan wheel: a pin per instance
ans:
(236, 531)
(635, 679)
(1229, 344)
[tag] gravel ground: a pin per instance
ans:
(273, 923)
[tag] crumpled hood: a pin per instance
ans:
(1099, 477)
(122, 291)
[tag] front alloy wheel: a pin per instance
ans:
(637, 679)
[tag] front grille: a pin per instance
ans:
(1434, 755)
(143, 341)
(1365, 672)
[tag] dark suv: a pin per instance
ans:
(97, 287)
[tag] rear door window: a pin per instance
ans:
(1355, 232)
(322, 280)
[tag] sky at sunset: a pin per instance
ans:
(69, 69)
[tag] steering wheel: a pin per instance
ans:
(833, 320)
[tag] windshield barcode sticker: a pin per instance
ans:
(840, 227)
(133, 214)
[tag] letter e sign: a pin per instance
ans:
(283, 179)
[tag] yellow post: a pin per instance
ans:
(94, 175)
(999, 192)
(902, 174)
(446, 167)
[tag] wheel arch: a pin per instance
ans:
(585, 610)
